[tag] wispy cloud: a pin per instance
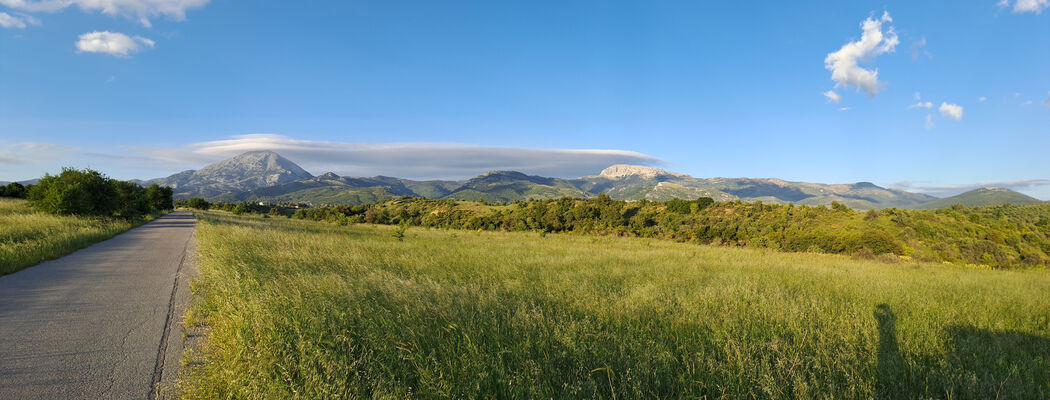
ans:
(112, 43)
(832, 96)
(31, 152)
(409, 160)
(919, 48)
(17, 21)
(929, 125)
(952, 190)
(140, 10)
(844, 64)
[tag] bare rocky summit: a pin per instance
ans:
(251, 170)
(625, 170)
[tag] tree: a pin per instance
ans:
(160, 197)
(198, 203)
(241, 208)
(73, 191)
(14, 189)
(131, 199)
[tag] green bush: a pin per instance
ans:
(73, 191)
(198, 203)
(131, 199)
(160, 197)
(89, 192)
(14, 189)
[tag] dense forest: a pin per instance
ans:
(992, 236)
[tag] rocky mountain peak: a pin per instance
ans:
(246, 171)
(624, 170)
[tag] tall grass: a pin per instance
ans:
(299, 309)
(28, 237)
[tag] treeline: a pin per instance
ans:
(15, 189)
(280, 209)
(90, 193)
(994, 236)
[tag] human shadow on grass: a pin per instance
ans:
(980, 364)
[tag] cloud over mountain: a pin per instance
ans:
(410, 160)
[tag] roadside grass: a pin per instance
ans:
(301, 309)
(28, 237)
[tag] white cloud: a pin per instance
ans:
(953, 111)
(1047, 101)
(140, 10)
(1024, 6)
(112, 43)
(18, 21)
(929, 123)
(832, 96)
(982, 99)
(844, 64)
(844, 109)
(407, 160)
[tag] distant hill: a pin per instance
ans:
(631, 182)
(267, 177)
(251, 170)
(328, 188)
(982, 197)
(510, 185)
(25, 182)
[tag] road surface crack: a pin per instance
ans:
(158, 367)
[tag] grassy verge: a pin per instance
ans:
(28, 237)
(300, 309)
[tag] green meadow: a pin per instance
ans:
(28, 237)
(305, 309)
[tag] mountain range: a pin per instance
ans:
(265, 176)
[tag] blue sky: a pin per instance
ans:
(146, 88)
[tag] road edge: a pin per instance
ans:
(169, 364)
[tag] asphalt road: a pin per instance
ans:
(95, 324)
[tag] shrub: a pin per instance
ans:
(198, 203)
(679, 206)
(131, 199)
(241, 208)
(86, 192)
(14, 189)
(399, 233)
(160, 197)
